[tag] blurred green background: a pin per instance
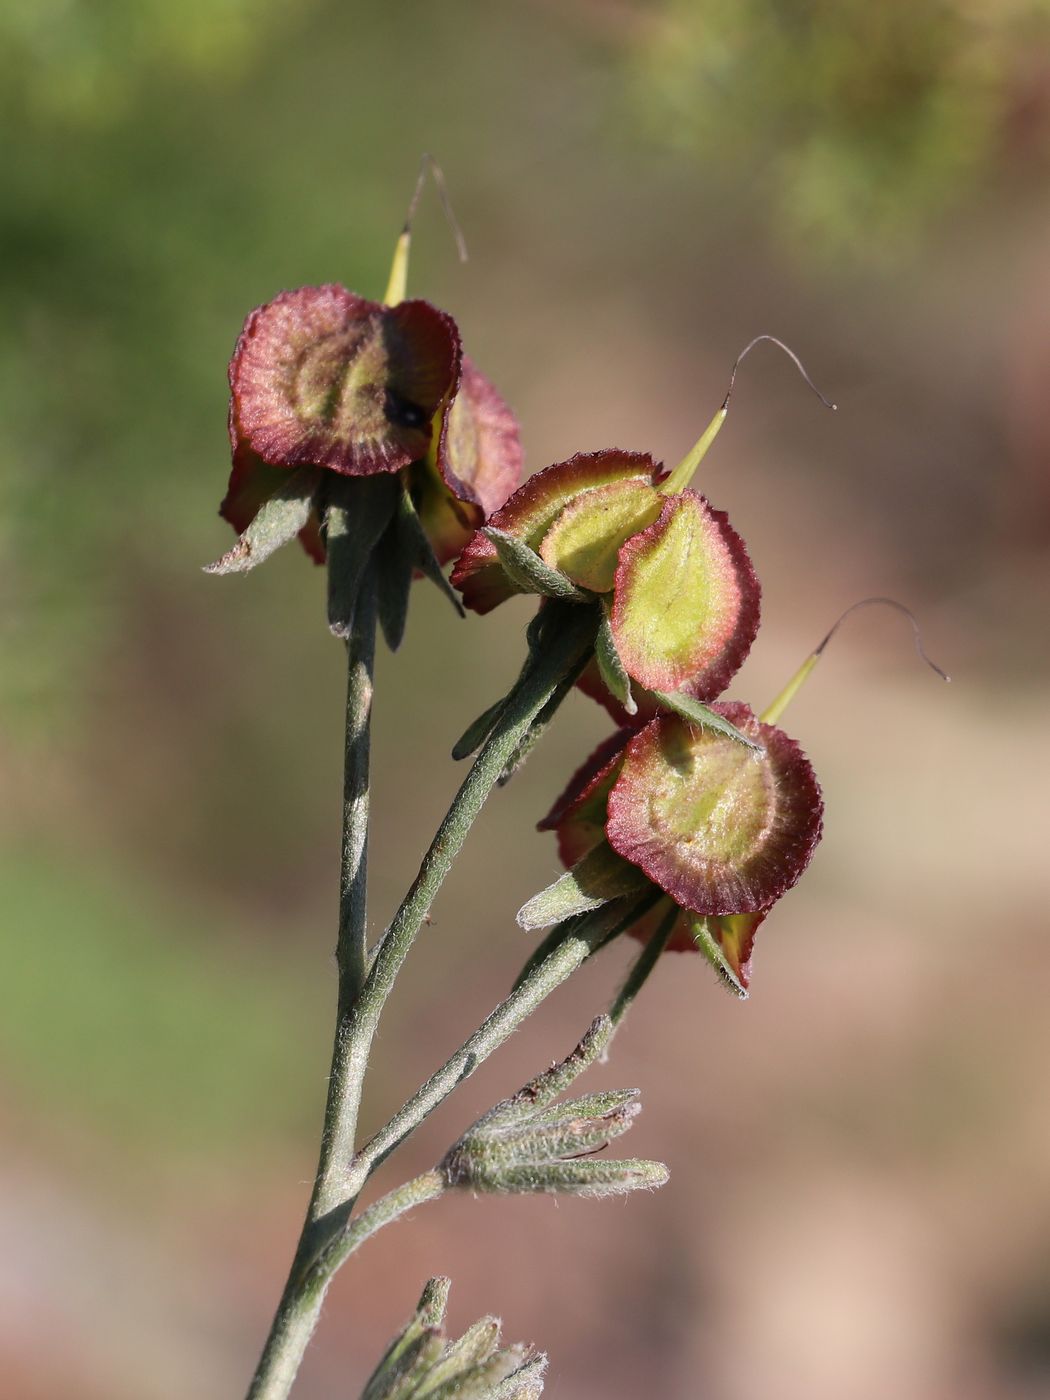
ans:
(860, 1155)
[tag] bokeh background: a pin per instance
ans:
(859, 1203)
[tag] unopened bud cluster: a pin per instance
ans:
(421, 1362)
(530, 1143)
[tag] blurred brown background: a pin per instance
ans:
(860, 1155)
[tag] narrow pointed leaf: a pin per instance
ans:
(358, 512)
(396, 562)
(613, 919)
(592, 684)
(589, 1177)
(599, 877)
(477, 1383)
(528, 570)
(476, 733)
(567, 1137)
(537, 630)
(734, 936)
(708, 945)
(251, 484)
(526, 1383)
(278, 521)
(389, 1367)
(407, 1362)
(596, 1105)
(537, 728)
(613, 672)
(484, 1155)
(574, 1136)
(698, 713)
(540, 724)
(602, 925)
(476, 1345)
(426, 561)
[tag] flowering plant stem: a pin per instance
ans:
(584, 936)
(327, 1238)
(344, 1081)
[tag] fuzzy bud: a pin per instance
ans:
(422, 1364)
(529, 1144)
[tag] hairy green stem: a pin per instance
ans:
(589, 933)
(426, 1187)
(276, 1369)
(344, 1087)
(350, 950)
(566, 640)
(568, 634)
(643, 965)
(299, 1307)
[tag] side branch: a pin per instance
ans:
(568, 638)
